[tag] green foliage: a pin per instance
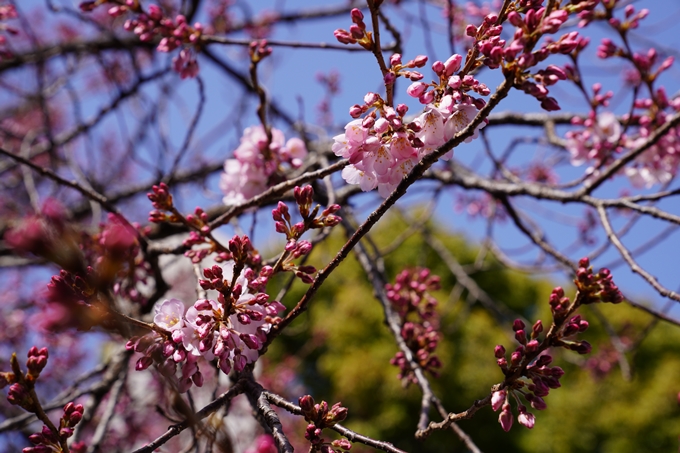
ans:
(345, 347)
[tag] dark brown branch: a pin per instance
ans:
(268, 416)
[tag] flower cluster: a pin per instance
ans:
(450, 106)
(593, 287)
(311, 219)
(602, 135)
(383, 148)
(47, 441)
(602, 138)
(659, 163)
(411, 298)
(320, 416)
(229, 329)
(528, 373)
(598, 141)
(357, 33)
(153, 23)
(519, 55)
(22, 393)
(257, 163)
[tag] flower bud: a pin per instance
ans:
(518, 325)
(505, 418)
(498, 398)
(306, 403)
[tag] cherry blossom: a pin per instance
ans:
(257, 162)
(169, 315)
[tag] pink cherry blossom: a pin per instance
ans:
(169, 315)
(255, 162)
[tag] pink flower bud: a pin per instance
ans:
(355, 111)
(438, 67)
(452, 64)
(420, 61)
(155, 12)
(416, 89)
(505, 418)
(381, 126)
(371, 98)
(454, 82)
(471, 31)
(356, 15)
(356, 31)
(369, 122)
(550, 104)
(344, 37)
(497, 399)
(525, 418)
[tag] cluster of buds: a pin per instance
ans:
(161, 200)
(520, 54)
(598, 287)
(47, 441)
(311, 219)
(149, 25)
(357, 33)
(117, 264)
(458, 86)
(587, 13)
(411, 298)
(528, 373)
(660, 162)
(22, 384)
(320, 416)
(488, 41)
(399, 69)
(230, 329)
(22, 393)
(198, 222)
(240, 249)
(71, 302)
(199, 235)
(259, 50)
(643, 63)
(528, 361)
